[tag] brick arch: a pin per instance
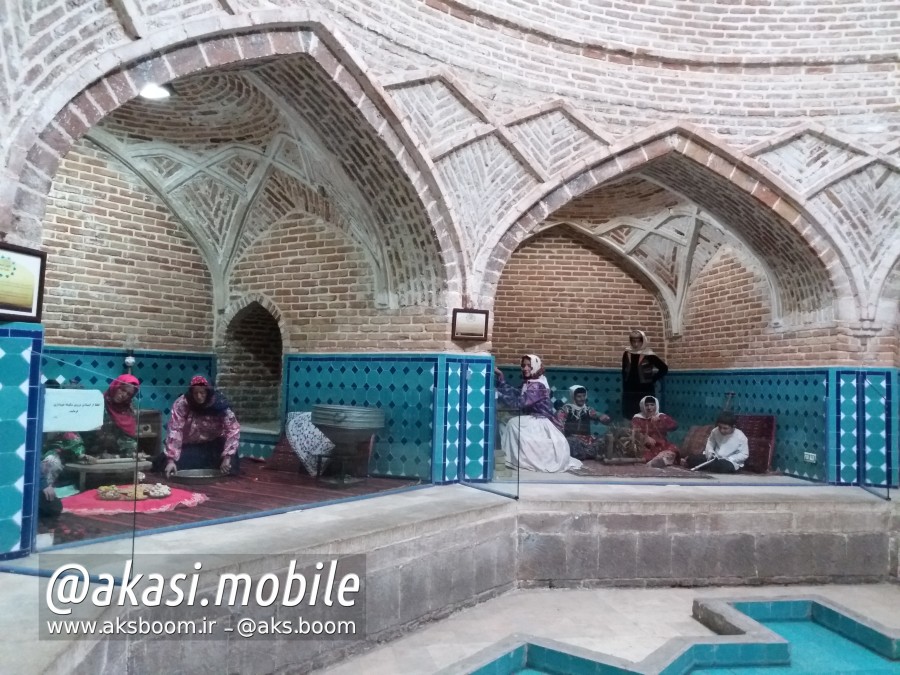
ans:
(240, 305)
(811, 277)
(84, 100)
(664, 297)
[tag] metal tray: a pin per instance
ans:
(197, 476)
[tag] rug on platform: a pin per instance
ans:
(592, 468)
(256, 489)
(89, 504)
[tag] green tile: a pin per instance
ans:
(12, 468)
(10, 501)
(10, 535)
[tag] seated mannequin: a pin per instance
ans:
(576, 417)
(726, 448)
(653, 427)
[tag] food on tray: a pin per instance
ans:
(109, 492)
(157, 491)
(121, 493)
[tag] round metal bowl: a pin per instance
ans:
(196, 476)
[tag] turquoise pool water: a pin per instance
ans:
(815, 650)
(805, 627)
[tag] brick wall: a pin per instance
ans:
(323, 285)
(566, 301)
(117, 262)
(726, 325)
(249, 367)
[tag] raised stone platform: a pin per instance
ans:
(434, 550)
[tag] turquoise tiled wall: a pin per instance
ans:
(865, 420)
(466, 420)
(403, 386)
(257, 444)
(434, 407)
(603, 385)
(164, 376)
(847, 417)
(797, 399)
(20, 354)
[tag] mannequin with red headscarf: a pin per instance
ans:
(118, 435)
(203, 432)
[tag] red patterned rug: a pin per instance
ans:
(89, 504)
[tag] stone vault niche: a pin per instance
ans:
(250, 365)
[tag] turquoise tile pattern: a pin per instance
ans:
(164, 376)
(452, 437)
(257, 445)
(847, 420)
(476, 418)
(797, 399)
(20, 395)
(437, 427)
(865, 418)
(603, 385)
(402, 385)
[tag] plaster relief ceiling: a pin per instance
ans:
(663, 237)
(233, 152)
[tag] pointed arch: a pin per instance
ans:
(810, 272)
(89, 95)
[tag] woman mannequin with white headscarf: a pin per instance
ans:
(652, 428)
(641, 370)
(533, 440)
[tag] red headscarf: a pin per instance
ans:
(121, 413)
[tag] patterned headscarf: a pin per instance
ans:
(122, 414)
(571, 407)
(215, 403)
(537, 371)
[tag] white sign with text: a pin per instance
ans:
(72, 410)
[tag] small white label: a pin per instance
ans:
(809, 457)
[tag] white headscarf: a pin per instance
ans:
(576, 410)
(643, 415)
(645, 345)
(535, 367)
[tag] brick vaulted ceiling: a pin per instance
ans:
(664, 239)
(234, 152)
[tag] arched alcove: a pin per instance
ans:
(249, 370)
(564, 297)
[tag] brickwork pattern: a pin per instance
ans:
(323, 287)
(249, 364)
(534, 97)
(728, 325)
(118, 264)
(570, 303)
(702, 29)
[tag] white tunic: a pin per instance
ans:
(733, 447)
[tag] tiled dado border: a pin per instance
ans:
(21, 345)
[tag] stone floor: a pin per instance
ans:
(627, 623)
